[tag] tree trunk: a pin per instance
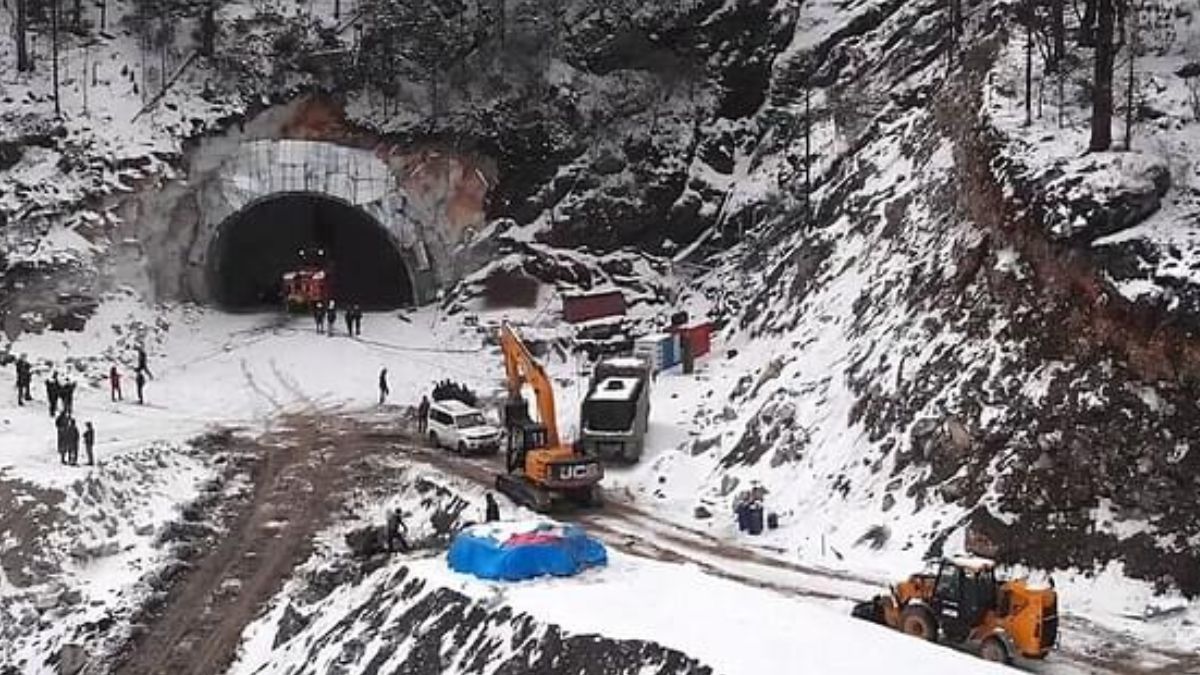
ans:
(503, 19)
(23, 63)
(54, 55)
(807, 147)
(1028, 62)
(1102, 91)
(208, 29)
(1058, 30)
(1087, 25)
(1130, 108)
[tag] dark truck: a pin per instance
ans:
(615, 413)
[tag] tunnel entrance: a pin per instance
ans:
(257, 245)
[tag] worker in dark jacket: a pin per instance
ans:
(66, 393)
(331, 317)
(492, 512)
(350, 321)
(140, 380)
(358, 314)
(396, 531)
(142, 365)
(60, 426)
(319, 316)
(114, 384)
(383, 386)
(52, 390)
(24, 379)
(72, 443)
(89, 443)
(423, 415)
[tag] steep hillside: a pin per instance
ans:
(941, 325)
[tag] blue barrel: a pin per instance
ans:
(754, 519)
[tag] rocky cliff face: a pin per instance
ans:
(949, 307)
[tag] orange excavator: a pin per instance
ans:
(540, 469)
(968, 606)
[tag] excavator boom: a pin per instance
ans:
(520, 367)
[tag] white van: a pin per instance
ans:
(456, 425)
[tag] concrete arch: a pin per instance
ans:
(354, 217)
(262, 170)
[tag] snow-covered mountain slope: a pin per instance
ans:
(967, 333)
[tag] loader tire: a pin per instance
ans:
(918, 621)
(994, 649)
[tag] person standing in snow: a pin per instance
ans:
(350, 321)
(72, 443)
(89, 442)
(24, 379)
(114, 384)
(423, 415)
(142, 366)
(140, 381)
(358, 313)
(331, 318)
(397, 532)
(319, 316)
(60, 426)
(53, 388)
(66, 392)
(492, 511)
(383, 386)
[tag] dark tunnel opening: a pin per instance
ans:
(255, 247)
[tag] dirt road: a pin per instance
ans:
(297, 477)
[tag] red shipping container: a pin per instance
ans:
(579, 307)
(698, 337)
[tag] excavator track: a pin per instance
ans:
(524, 492)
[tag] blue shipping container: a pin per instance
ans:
(671, 350)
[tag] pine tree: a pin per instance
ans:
(1102, 85)
(22, 21)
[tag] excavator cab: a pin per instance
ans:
(524, 434)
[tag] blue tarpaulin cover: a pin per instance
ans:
(522, 550)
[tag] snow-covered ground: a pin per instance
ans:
(213, 369)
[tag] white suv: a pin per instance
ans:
(456, 425)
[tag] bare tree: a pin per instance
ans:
(20, 27)
(208, 28)
(1131, 28)
(1029, 20)
(1102, 85)
(54, 55)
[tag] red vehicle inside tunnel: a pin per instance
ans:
(309, 284)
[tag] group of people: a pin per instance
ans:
(60, 392)
(326, 318)
(60, 399)
(139, 378)
(68, 440)
(396, 531)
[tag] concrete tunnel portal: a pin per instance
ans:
(255, 246)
